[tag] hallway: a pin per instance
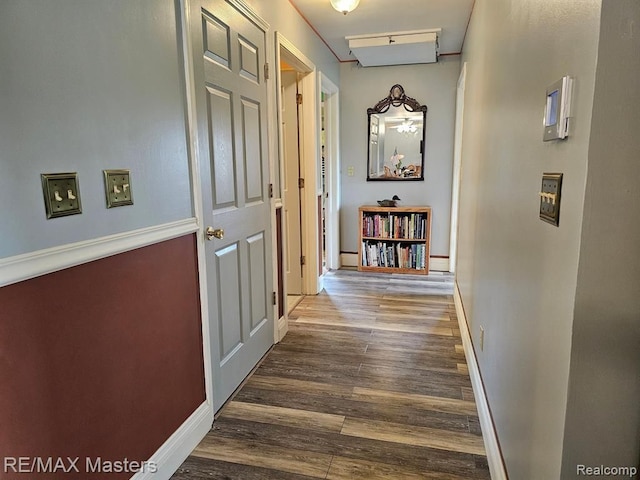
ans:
(370, 382)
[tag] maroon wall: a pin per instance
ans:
(103, 359)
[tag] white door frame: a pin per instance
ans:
(285, 50)
(332, 167)
(196, 188)
(457, 164)
(309, 159)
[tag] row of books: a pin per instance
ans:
(408, 225)
(384, 254)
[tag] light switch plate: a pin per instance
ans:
(550, 198)
(117, 186)
(61, 194)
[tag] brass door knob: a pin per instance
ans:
(214, 232)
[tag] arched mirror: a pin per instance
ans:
(396, 138)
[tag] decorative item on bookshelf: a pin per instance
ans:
(395, 240)
(389, 202)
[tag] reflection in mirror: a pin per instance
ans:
(396, 138)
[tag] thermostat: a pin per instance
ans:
(558, 109)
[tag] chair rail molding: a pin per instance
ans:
(34, 264)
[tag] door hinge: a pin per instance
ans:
(266, 71)
(303, 260)
(271, 190)
(299, 98)
(301, 183)
(274, 298)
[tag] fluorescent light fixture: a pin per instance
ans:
(395, 48)
(345, 6)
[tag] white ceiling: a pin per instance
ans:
(382, 16)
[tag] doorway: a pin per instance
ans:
(300, 180)
(298, 189)
(290, 123)
(330, 154)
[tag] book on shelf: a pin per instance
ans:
(393, 255)
(394, 225)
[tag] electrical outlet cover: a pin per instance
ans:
(550, 198)
(117, 186)
(61, 194)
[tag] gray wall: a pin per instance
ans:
(87, 86)
(93, 85)
(283, 18)
(433, 85)
(518, 275)
(603, 414)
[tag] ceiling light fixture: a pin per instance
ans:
(345, 6)
(407, 127)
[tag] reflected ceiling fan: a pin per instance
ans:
(407, 126)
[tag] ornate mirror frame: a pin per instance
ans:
(407, 164)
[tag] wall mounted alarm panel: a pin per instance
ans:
(558, 109)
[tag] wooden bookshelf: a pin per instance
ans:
(394, 239)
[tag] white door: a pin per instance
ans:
(231, 104)
(291, 151)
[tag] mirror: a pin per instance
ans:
(396, 138)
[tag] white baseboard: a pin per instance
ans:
(435, 263)
(489, 434)
(439, 264)
(349, 259)
(30, 265)
(168, 458)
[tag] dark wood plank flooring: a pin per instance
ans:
(370, 383)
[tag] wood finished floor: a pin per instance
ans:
(370, 383)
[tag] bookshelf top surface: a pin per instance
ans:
(399, 209)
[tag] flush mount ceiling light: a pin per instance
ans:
(345, 6)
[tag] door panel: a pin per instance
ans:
(229, 51)
(230, 303)
(217, 44)
(257, 258)
(222, 155)
(251, 128)
(249, 60)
